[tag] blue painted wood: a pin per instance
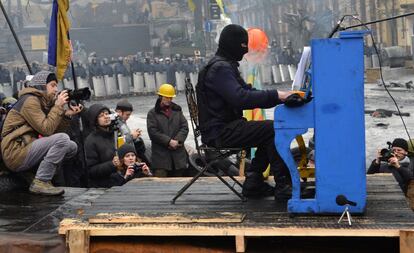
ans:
(337, 114)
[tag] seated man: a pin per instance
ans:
(124, 110)
(29, 134)
(222, 95)
(101, 154)
(167, 129)
(394, 161)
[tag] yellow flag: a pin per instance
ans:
(64, 48)
(191, 5)
(221, 5)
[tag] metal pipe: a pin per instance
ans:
(380, 20)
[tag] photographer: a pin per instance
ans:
(124, 110)
(395, 161)
(101, 155)
(167, 129)
(130, 166)
(29, 134)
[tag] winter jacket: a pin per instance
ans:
(100, 150)
(403, 175)
(222, 95)
(34, 115)
(161, 130)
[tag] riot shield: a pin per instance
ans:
(277, 78)
(99, 86)
(138, 79)
(82, 83)
(149, 82)
(7, 89)
(284, 72)
(68, 84)
(292, 71)
(266, 73)
(124, 84)
(110, 85)
(160, 78)
(194, 78)
(180, 77)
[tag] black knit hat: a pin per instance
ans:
(230, 42)
(124, 106)
(401, 143)
(125, 149)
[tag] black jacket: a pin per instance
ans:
(100, 150)
(403, 175)
(222, 95)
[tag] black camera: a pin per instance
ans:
(79, 94)
(138, 169)
(386, 153)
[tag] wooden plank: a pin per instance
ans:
(240, 243)
(142, 208)
(77, 241)
(215, 217)
(406, 241)
(171, 229)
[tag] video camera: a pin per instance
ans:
(114, 121)
(386, 153)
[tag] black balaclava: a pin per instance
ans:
(230, 42)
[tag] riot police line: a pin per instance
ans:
(121, 77)
(140, 75)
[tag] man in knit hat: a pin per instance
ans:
(397, 163)
(222, 95)
(30, 135)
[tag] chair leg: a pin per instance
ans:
(186, 186)
(230, 187)
(235, 180)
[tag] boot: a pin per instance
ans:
(283, 190)
(255, 187)
(44, 188)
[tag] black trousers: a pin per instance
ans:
(260, 134)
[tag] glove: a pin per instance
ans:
(295, 100)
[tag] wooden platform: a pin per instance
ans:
(142, 208)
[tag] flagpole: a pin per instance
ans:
(75, 84)
(15, 38)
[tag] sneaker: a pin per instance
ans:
(44, 188)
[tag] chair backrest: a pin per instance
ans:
(193, 109)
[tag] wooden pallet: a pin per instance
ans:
(142, 208)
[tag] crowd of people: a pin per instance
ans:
(41, 131)
(41, 137)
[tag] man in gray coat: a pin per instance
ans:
(167, 129)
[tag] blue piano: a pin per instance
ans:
(336, 114)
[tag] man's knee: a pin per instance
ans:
(72, 148)
(61, 139)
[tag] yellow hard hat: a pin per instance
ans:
(166, 90)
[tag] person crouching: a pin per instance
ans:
(130, 166)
